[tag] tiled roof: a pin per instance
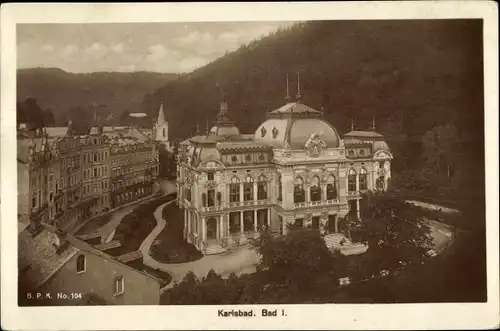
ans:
(363, 134)
(129, 257)
(296, 108)
(38, 257)
(110, 245)
(241, 145)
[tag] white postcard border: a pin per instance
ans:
(324, 316)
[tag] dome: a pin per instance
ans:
(380, 145)
(225, 131)
(293, 124)
(205, 153)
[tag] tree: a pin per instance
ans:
(295, 257)
(439, 148)
(394, 231)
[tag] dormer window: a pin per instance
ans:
(275, 132)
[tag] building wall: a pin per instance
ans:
(98, 277)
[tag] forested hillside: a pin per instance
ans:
(422, 80)
(65, 94)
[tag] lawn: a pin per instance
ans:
(170, 246)
(137, 225)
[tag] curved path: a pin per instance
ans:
(239, 261)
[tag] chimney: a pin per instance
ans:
(60, 241)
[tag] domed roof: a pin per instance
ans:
(205, 153)
(380, 145)
(224, 125)
(292, 125)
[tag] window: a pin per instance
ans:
(248, 157)
(262, 188)
(315, 189)
(298, 190)
(363, 180)
(234, 158)
(33, 200)
(119, 285)
(351, 180)
(248, 189)
(331, 188)
(204, 199)
(211, 198)
(261, 157)
(95, 172)
(95, 157)
(280, 189)
(361, 152)
(80, 264)
(210, 175)
(234, 190)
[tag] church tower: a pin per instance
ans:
(161, 128)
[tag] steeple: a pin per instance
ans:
(197, 127)
(352, 123)
(373, 123)
(161, 116)
(298, 96)
(287, 94)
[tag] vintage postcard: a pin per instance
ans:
(250, 165)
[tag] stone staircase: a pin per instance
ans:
(333, 242)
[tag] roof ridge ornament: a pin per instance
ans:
(298, 97)
(287, 95)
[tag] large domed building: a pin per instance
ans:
(294, 170)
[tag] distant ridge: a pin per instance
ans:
(63, 92)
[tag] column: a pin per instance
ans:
(241, 222)
(203, 228)
(358, 212)
(269, 217)
(241, 191)
(323, 192)
(307, 187)
(357, 181)
(255, 191)
(226, 229)
(255, 220)
(220, 232)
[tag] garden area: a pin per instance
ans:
(138, 224)
(298, 268)
(170, 246)
(94, 224)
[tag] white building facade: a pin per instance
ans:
(294, 170)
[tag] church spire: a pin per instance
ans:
(161, 116)
(373, 123)
(298, 96)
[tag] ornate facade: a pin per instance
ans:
(295, 170)
(67, 179)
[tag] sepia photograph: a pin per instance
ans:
(235, 163)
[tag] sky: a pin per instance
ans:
(125, 47)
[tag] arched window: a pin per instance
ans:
(234, 190)
(80, 263)
(262, 188)
(204, 199)
(351, 180)
(248, 188)
(298, 190)
(331, 188)
(280, 189)
(164, 132)
(211, 198)
(315, 189)
(363, 180)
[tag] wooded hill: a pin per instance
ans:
(413, 76)
(65, 94)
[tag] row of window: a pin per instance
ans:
(95, 172)
(248, 191)
(95, 157)
(118, 282)
(315, 192)
(97, 188)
